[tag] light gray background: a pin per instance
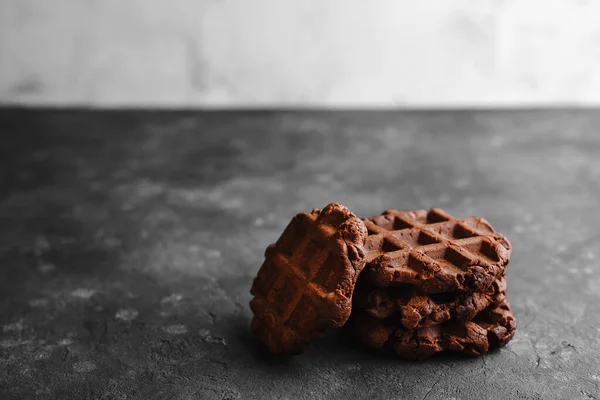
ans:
(300, 53)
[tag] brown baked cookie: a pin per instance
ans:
(434, 251)
(491, 328)
(414, 308)
(306, 282)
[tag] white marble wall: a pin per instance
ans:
(222, 53)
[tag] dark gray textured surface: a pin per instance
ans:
(128, 242)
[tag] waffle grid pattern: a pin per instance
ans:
(293, 275)
(297, 290)
(412, 246)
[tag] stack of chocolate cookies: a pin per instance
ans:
(433, 283)
(414, 283)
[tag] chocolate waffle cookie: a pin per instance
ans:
(414, 308)
(491, 328)
(434, 251)
(306, 282)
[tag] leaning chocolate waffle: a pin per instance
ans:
(491, 328)
(434, 251)
(306, 282)
(414, 308)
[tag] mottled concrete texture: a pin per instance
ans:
(128, 243)
(300, 53)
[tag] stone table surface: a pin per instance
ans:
(128, 242)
